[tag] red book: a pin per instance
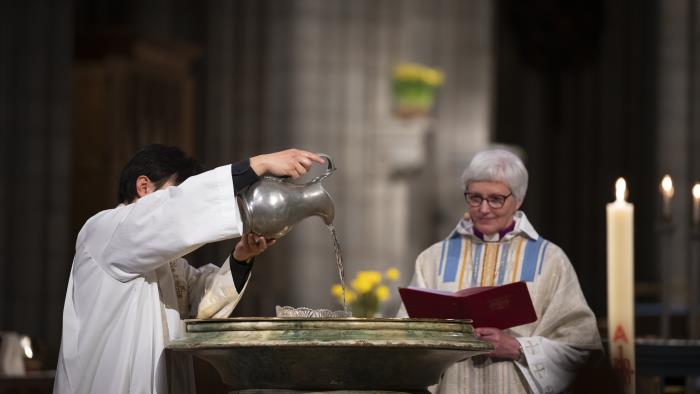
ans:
(490, 306)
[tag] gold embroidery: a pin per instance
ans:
(180, 291)
(466, 251)
(489, 264)
(519, 250)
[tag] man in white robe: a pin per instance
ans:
(130, 288)
(496, 245)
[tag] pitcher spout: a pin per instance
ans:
(326, 209)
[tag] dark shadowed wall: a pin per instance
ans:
(587, 70)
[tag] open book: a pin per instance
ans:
(490, 306)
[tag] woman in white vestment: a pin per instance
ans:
(129, 287)
(495, 244)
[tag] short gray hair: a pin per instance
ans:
(498, 165)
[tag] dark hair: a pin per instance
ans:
(158, 163)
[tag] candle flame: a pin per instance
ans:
(26, 345)
(667, 186)
(620, 189)
(696, 190)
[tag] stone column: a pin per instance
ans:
(342, 58)
(323, 83)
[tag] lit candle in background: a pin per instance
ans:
(620, 215)
(696, 204)
(693, 269)
(666, 194)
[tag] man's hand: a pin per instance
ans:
(504, 345)
(290, 162)
(251, 245)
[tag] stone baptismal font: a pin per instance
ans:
(326, 354)
(318, 350)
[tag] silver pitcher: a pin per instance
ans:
(272, 205)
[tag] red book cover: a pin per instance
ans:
(490, 306)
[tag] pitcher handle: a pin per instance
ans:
(331, 168)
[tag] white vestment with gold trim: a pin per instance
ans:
(555, 345)
(129, 287)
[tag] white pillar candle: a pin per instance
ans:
(667, 190)
(621, 285)
(696, 204)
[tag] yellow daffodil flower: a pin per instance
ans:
(382, 293)
(337, 290)
(407, 71)
(419, 73)
(432, 77)
(366, 291)
(350, 296)
(373, 277)
(361, 284)
(392, 274)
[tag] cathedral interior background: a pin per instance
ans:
(585, 91)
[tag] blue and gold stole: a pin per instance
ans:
(468, 262)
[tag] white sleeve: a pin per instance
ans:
(550, 366)
(168, 224)
(212, 293)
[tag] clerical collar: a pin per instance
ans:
(495, 238)
(465, 228)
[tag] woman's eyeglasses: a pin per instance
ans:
(495, 201)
